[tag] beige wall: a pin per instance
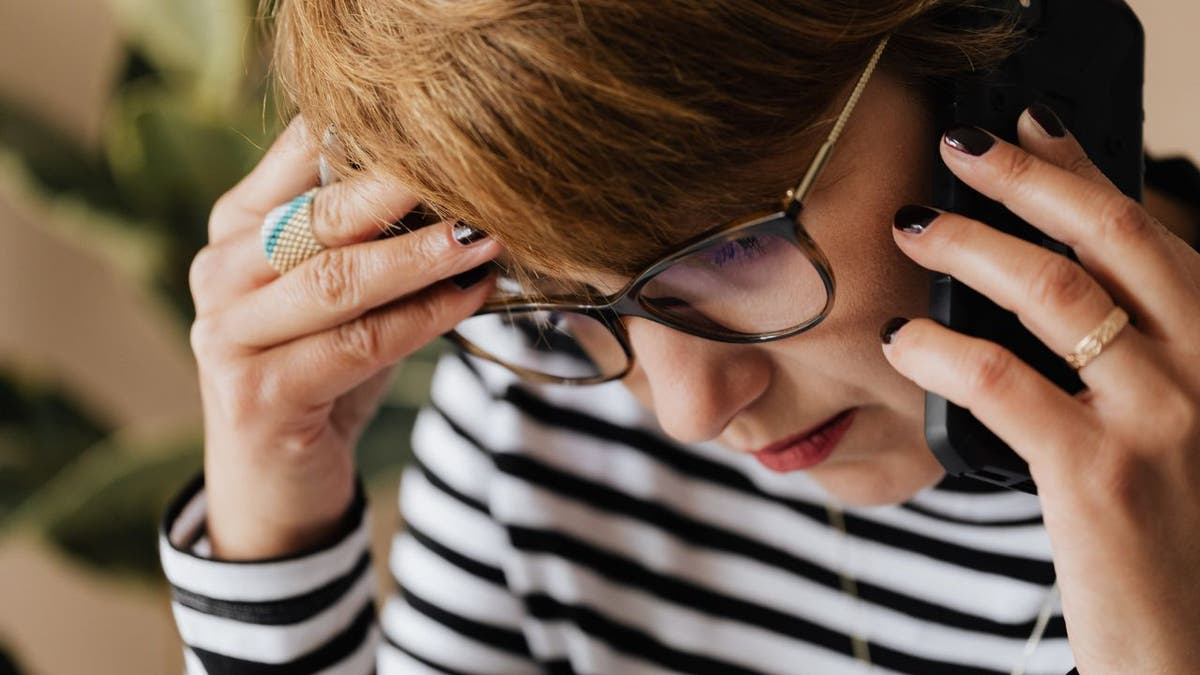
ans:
(1172, 75)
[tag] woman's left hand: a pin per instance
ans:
(1117, 465)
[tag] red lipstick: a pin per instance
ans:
(808, 449)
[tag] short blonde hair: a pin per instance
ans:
(589, 134)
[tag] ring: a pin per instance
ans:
(286, 233)
(1094, 342)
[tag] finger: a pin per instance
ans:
(1115, 239)
(343, 214)
(323, 366)
(339, 284)
(353, 211)
(1054, 297)
(1041, 422)
(228, 269)
(1041, 132)
(288, 168)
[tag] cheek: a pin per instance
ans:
(875, 282)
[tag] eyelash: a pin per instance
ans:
(744, 248)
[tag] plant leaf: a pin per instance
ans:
(104, 509)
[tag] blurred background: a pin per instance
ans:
(120, 122)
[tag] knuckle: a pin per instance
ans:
(429, 312)
(989, 369)
(333, 279)
(1081, 165)
(201, 270)
(212, 339)
(246, 389)
(1123, 219)
(205, 269)
(232, 390)
(1018, 167)
(327, 211)
(222, 211)
(203, 336)
(1059, 282)
(426, 251)
(359, 341)
(418, 316)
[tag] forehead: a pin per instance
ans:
(779, 174)
(762, 185)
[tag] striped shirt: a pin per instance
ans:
(555, 529)
(558, 530)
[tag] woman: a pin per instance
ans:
(713, 505)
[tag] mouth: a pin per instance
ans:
(806, 449)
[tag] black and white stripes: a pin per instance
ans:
(303, 614)
(556, 530)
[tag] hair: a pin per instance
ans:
(591, 134)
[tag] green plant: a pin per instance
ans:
(189, 115)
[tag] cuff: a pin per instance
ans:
(316, 603)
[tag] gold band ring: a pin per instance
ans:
(1094, 342)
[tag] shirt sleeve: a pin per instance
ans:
(306, 613)
(452, 612)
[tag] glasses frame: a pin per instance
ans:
(627, 301)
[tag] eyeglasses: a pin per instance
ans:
(753, 279)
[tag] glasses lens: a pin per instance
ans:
(558, 344)
(762, 283)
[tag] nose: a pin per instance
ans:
(695, 386)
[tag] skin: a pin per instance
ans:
(293, 367)
(748, 396)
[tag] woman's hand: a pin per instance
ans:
(293, 367)
(1118, 465)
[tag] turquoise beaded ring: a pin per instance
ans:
(287, 235)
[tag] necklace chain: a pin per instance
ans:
(858, 640)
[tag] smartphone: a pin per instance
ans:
(1084, 59)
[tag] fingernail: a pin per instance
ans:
(971, 140)
(889, 329)
(914, 218)
(465, 280)
(465, 234)
(1046, 118)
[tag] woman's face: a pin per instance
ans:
(748, 397)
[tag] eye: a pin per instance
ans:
(736, 251)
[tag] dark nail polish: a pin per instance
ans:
(465, 234)
(1046, 118)
(889, 329)
(971, 140)
(465, 280)
(914, 218)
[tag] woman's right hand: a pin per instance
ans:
(293, 367)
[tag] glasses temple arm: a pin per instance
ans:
(796, 195)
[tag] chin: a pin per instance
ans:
(878, 480)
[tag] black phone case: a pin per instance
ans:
(1084, 59)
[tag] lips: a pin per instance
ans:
(806, 449)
